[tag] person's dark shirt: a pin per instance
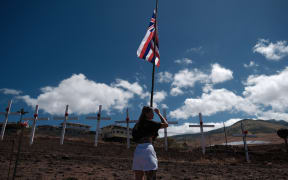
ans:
(144, 130)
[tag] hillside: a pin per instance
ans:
(252, 126)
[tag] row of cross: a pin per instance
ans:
(66, 117)
(244, 135)
(128, 121)
(35, 118)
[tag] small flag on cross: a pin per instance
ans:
(244, 135)
(98, 117)
(22, 126)
(201, 131)
(65, 118)
(34, 119)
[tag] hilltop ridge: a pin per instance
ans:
(252, 126)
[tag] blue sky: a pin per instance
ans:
(226, 59)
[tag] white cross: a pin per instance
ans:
(98, 117)
(6, 114)
(201, 131)
(127, 121)
(165, 130)
(34, 119)
(66, 117)
(244, 135)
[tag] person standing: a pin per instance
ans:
(145, 131)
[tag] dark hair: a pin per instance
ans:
(137, 132)
(145, 110)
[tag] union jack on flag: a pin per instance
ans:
(146, 48)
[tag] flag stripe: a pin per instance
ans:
(147, 52)
(143, 45)
(146, 45)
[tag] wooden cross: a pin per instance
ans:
(6, 114)
(165, 130)
(225, 133)
(66, 117)
(244, 135)
(201, 131)
(127, 121)
(22, 126)
(98, 117)
(34, 119)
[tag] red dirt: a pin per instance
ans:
(79, 159)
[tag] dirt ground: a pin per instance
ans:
(79, 159)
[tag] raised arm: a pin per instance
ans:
(164, 123)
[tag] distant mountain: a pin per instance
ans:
(281, 122)
(252, 126)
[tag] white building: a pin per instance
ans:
(116, 132)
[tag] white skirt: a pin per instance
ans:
(145, 158)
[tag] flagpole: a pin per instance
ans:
(154, 56)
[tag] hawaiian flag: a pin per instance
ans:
(146, 48)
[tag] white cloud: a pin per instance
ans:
(184, 61)
(207, 88)
(165, 77)
(164, 106)
(10, 91)
(196, 50)
(263, 97)
(173, 130)
(188, 78)
(176, 91)
(272, 51)
(220, 74)
(273, 115)
(251, 64)
(158, 97)
(132, 87)
(217, 100)
(268, 90)
(84, 96)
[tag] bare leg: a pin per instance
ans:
(151, 175)
(139, 175)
